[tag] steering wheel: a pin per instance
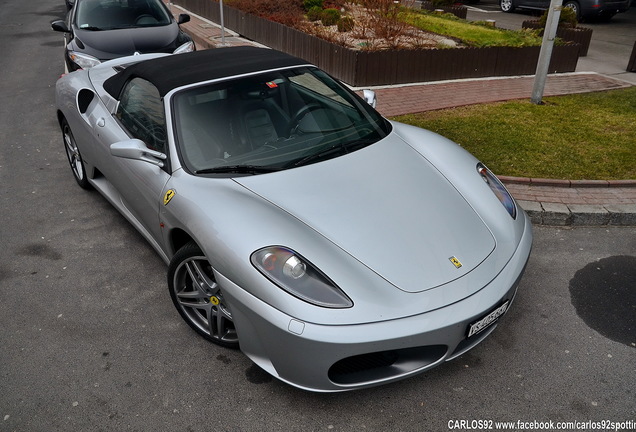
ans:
(149, 19)
(304, 110)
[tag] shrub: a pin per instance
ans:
(345, 24)
(288, 12)
(310, 4)
(314, 13)
(567, 18)
(334, 4)
(330, 17)
(385, 21)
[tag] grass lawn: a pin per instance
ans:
(588, 136)
(471, 34)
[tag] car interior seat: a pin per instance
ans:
(262, 119)
(259, 127)
(200, 145)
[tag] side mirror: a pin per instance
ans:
(183, 18)
(60, 25)
(136, 149)
(370, 97)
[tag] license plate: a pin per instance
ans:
(488, 320)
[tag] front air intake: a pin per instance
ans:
(384, 365)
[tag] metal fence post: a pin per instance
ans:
(631, 66)
(545, 54)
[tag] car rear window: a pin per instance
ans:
(120, 14)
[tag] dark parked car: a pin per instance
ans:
(604, 9)
(100, 30)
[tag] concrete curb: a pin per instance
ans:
(558, 214)
(576, 214)
(568, 183)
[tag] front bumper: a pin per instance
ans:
(328, 358)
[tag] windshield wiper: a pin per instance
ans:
(334, 150)
(239, 169)
(91, 28)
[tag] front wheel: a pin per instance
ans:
(198, 297)
(506, 5)
(74, 157)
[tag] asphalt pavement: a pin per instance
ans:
(547, 201)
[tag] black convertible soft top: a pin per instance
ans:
(177, 70)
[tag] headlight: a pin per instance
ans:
(299, 277)
(186, 47)
(498, 189)
(84, 61)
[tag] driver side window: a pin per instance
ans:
(141, 112)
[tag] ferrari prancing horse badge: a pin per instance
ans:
(457, 263)
(168, 196)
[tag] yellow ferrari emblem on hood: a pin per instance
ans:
(168, 196)
(457, 263)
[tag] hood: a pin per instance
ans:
(387, 207)
(109, 44)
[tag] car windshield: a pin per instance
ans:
(271, 121)
(120, 14)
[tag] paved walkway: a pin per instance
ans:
(406, 99)
(549, 202)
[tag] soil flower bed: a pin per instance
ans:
(373, 32)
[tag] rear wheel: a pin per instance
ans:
(74, 157)
(198, 297)
(506, 5)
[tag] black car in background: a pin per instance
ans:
(603, 9)
(100, 30)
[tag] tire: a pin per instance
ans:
(198, 298)
(575, 6)
(74, 157)
(506, 5)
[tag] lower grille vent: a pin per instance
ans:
(384, 365)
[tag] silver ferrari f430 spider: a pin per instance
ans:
(337, 249)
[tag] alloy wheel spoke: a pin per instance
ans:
(223, 327)
(78, 167)
(190, 296)
(200, 279)
(220, 323)
(212, 322)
